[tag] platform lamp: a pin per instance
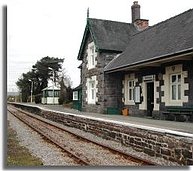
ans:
(31, 88)
(53, 83)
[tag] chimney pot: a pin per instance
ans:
(135, 11)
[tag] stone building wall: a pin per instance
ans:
(103, 58)
(188, 66)
(159, 72)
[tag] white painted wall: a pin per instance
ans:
(49, 100)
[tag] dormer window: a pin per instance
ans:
(91, 56)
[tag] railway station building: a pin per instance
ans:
(145, 69)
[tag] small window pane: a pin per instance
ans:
(130, 90)
(173, 78)
(173, 92)
(92, 56)
(130, 84)
(75, 95)
(92, 95)
(50, 93)
(179, 78)
(130, 94)
(179, 92)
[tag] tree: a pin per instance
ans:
(39, 74)
(24, 85)
(41, 68)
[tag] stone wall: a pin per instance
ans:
(188, 66)
(103, 58)
(135, 110)
(170, 146)
(113, 90)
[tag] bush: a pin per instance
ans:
(38, 98)
(61, 101)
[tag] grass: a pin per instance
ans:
(18, 155)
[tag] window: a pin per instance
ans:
(91, 56)
(175, 86)
(56, 93)
(131, 90)
(50, 93)
(75, 95)
(92, 92)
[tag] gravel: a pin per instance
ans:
(119, 146)
(48, 153)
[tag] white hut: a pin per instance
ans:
(51, 95)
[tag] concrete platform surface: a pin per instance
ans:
(184, 127)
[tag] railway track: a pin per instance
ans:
(85, 151)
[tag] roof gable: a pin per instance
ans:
(107, 35)
(168, 37)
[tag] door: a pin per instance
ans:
(150, 98)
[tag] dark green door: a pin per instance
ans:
(150, 98)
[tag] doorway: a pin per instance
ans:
(150, 98)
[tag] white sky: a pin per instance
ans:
(39, 28)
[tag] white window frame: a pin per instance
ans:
(130, 92)
(75, 95)
(129, 88)
(91, 56)
(92, 92)
(176, 84)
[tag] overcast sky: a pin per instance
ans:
(39, 28)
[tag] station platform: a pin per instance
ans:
(180, 127)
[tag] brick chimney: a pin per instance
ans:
(135, 11)
(140, 24)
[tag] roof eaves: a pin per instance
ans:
(189, 50)
(82, 43)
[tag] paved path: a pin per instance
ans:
(186, 127)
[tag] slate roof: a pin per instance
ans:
(168, 37)
(108, 35)
(78, 87)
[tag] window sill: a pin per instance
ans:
(174, 103)
(129, 103)
(92, 103)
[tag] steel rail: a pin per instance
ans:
(131, 157)
(77, 158)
